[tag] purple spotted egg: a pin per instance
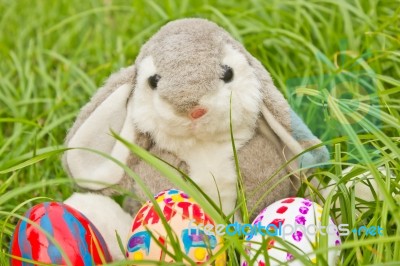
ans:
(298, 222)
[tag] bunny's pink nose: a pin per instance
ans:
(197, 112)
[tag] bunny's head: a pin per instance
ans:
(186, 75)
(186, 81)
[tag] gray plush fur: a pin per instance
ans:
(187, 54)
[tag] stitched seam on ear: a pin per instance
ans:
(292, 144)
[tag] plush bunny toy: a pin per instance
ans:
(175, 102)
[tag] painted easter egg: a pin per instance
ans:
(186, 220)
(297, 221)
(60, 234)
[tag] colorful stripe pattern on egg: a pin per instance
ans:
(79, 239)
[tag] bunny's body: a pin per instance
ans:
(176, 102)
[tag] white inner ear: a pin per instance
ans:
(95, 133)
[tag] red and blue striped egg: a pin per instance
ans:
(79, 239)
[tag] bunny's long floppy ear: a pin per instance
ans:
(294, 135)
(107, 111)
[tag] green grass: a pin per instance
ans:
(337, 63)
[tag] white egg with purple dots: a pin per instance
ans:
(298, 222)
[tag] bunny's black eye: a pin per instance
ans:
(153, 81)
(227, 74)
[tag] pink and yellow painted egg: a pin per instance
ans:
(69, 231)
(184, 217)
(297, 221)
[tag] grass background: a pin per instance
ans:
(337, 62)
